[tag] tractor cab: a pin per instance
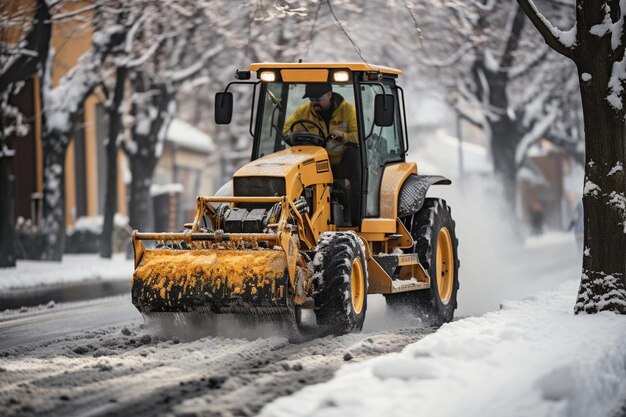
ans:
(376, 132)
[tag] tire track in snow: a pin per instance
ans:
(131, 370)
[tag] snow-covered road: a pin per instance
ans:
(98, 358)
(44, 323)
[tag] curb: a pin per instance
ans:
(63, 292)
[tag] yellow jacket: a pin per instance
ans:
(343, 118)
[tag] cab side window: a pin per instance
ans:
(383, 144)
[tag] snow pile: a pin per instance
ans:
(532, 358)
(93, 224)
(73, 268)
(171, 188)
(187, 136)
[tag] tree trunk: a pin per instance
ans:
(505, 137)
(492, 81)
(603, 285)
(110, 205)
(7, 218)
(54, 147)
(140, 205)
(504, 142)
(148, 136)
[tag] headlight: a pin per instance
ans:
(341, 76)
(268, 76)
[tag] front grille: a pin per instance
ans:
(258, 187)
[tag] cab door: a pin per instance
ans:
(383, 145)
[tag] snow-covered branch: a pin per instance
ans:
(146, 55)
(564, 42)
(452, 59)
(73, 13)
(528, 64)
(63, 101)
(186, 73)
(487, 6)
(534, 134)
(20, 66)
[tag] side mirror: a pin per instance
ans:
(223, 108)
(383, 110)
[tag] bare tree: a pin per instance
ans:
(222, 36)
(18, 61)
(128, 57)
(596, 44)
(62, 105)
(195, 36)
(498, 77)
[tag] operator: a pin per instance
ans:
(337, 118)
(335, 115)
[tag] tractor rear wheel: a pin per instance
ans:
(340, 282)
(435, 243)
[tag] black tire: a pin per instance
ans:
(338, 262)
(429, 305)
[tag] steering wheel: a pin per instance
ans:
(305, 138)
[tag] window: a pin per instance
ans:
(278, 103)
(383, 144)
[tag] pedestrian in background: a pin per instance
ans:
(577, 225)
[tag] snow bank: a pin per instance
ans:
(532, 358)
(73, 268)
(94, 224)
(187, 136)
(171, 188)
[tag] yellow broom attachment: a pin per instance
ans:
(222, 281)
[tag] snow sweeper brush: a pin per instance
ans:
(207, 279)
(220, 272)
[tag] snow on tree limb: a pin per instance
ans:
(465, 104)
(21, 65)
(534, 134)
(66, 15)
(451, 59)
(63, 101)
(146, 55)
(564, 42)
(132, 34)
(487, 6)
(186, 73)
(528, 64)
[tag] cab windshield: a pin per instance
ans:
(278, 103)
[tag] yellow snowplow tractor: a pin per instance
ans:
(327, 211)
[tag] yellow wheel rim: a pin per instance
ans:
(357, 286)
(445, 265)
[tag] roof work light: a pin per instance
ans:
(341, 76)
(268, 76)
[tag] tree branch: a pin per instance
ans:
(22, 66)
(512, 43)
(453, 58)
(186, 73)
(561, 42)
(525, 67)
(569, 146)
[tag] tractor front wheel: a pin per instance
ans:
(340, 282)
